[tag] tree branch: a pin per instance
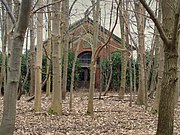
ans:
(4, 2)
(35, 11)
(102, 46)
(157, 23)
(70, 9)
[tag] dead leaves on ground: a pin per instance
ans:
(111, 117)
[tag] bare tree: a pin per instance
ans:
(169, 35)
(48, 84)
(65, 42)
(56, 105)
(38, 77)
(9, 110)
(141, 53)
(124, 54)
(4, 41)
(93, 63)
(32, 56)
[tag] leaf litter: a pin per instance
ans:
(111, 117)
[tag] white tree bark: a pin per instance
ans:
(38, 77)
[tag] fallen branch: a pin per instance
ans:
(30, 99)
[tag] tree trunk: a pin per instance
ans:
(178, 74)
(32, 57)
(27, 67)
(110, 77)
(72, 76)
(93, 62)
(101, 78)
(56, 105)
(166, 105)
(168, 87)
(9, 30)
(4, 41)
(134, 83)
(142, 79)
(38, 77)
(9, 110)
(65, 42)
(124, 56)
(159, 62)
(177, 93)
(160, 57)
(48, 84)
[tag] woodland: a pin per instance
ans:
(138, 92)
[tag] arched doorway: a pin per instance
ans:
(84, 77)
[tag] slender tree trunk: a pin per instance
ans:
(9, 34)
(48, 84)
(32, 57)
(156, 48)
(101, 78)
(160, 60)
(4, 41)
(110, 78)
(142, 79)
(93, 63)
(131, 82)
(124, 55)
(72, 76)
(9, 42)
(9, 110)
(131, 49)
(134, 68)
(56, 105)
(38, 77)
(27, 66)
(65, 42)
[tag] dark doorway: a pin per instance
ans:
(84, 78)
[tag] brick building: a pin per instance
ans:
(81, 32)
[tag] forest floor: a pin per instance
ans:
(111, 117)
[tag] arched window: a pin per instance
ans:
(85, 58)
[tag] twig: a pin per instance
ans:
(157, 23)
(70, 9)
(35, 11)
(101, 47)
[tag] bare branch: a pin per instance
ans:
(102, 46)
(70, 9)
(35, 11)
(46, 53)
(157, 23)
(4, 2)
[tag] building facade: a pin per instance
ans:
(81, 33)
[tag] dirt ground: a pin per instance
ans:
(111, 117)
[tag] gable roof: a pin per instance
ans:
(90, 21)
